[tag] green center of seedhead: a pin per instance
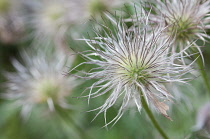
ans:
(134, 70)
(47, 89)
(137, 73)
(183, 29)
(97, 7)
(54, 12)
(4, 6)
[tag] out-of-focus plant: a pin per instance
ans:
(39, 85)
(97, 7)
(51, 20)
(187, 21)
(11, 21)
(202, 126)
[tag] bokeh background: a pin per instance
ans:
(32, 26)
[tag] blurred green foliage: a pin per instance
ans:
(63, 124)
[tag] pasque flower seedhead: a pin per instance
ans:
(186, 21)
(39, 81)
(131, 63)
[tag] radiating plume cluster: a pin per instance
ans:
(186, 21)
(11, 21)
(132, 63)
(39, 81)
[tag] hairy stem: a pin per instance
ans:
(152, 118)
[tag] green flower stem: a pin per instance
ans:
(64, 116)
(152, 118)
(203, 73)
(80, 130)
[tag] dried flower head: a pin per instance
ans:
(52, 18)
(187, 20)
(39, 81)
(131, 64)
(11, 21)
